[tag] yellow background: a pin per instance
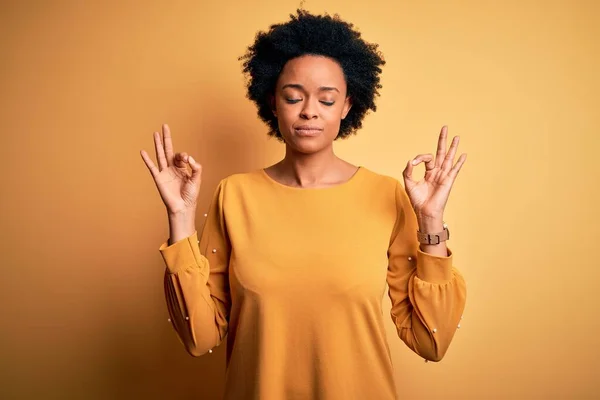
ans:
(84, 84)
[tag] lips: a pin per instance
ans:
(308, 130)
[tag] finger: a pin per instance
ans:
(449, 159)
(454, 171)
(181, 160)
(408, 171)
(427, 158)
(153, 170)
(441, 149)
(160, 152)
(167, 140)
(196, 170)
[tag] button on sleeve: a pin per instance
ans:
(196, 281)
(428, 294)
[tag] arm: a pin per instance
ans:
(428, 294)
(196, 282)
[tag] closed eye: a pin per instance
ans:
(294, 101)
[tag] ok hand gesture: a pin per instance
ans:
(429, 196)
(178, 187)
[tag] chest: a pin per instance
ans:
(324, 248)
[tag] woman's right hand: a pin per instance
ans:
(178, 187)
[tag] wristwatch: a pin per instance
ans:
(434, 238)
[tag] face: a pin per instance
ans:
(310, 101)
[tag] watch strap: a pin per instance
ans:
(433, 238)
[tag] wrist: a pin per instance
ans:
(430, 225)
(182, 214)
(181, 225)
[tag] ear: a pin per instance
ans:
(347, 107)
(272, 104)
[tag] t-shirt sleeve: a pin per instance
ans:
(196, 281)
(427, 292)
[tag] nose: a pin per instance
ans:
(308, 111)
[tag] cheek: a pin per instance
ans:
(334, 114)
(286, 114)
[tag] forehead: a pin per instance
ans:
(312, 72)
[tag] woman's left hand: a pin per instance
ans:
(430, 195)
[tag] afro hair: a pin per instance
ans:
(321, 35)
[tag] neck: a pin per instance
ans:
(305, 170)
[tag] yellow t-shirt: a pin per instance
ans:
(295, 277)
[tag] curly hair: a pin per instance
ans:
(323, 35)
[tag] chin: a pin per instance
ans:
(304, 145)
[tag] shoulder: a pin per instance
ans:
(382, 181)
(387, 187)
(239, 181)
(241, 178)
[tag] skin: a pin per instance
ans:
(311, 162)
(300, 98)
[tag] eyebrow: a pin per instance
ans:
(298, 86)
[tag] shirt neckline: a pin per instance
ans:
(348, 182)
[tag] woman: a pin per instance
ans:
(293, 259)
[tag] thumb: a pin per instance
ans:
(196, 170)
